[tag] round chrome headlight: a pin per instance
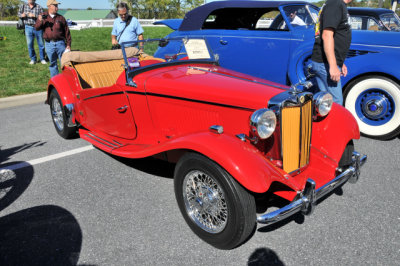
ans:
(323, 103)
(263, 123)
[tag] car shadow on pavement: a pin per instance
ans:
(5, 154)
(42, 235)
(149, 165)
(264, 257)
(13, 182)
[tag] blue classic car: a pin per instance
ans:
(376, 19)
(274, 39)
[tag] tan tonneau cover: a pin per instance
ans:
(84, 57)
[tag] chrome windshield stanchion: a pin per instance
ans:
(310, 195)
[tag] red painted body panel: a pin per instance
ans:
(99, 112)
(65, 83)
(331, 134)
(173, 107)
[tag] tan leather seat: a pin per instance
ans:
(99, 74)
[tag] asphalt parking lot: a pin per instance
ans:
(62, 202)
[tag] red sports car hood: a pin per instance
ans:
(213, 84)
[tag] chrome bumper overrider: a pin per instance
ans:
(309, 196)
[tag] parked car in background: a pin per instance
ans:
(280, 50)
(374, 19)
(234, 138)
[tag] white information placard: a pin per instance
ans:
(197, 49)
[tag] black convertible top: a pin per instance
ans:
(195, 18)
(367, 11)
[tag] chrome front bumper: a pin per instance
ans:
(310, 196)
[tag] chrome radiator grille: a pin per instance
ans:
(296, 124)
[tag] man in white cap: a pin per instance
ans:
(56, 34)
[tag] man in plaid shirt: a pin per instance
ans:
(29, 12)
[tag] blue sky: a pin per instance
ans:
(83, 4)
(79, 4)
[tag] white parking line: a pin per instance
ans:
(47, 158)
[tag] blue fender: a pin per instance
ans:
(296, 62)
(366, 64)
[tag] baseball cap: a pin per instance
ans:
(52, 2)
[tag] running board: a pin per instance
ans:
(99, 142)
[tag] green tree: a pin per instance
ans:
(159, 9)
(89, 8)
(9, 8)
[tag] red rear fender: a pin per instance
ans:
(63, 86)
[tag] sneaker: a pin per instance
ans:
(43, 62)
(32, 62)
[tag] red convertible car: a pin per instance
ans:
(234, 138)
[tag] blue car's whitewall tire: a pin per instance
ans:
(374, 101)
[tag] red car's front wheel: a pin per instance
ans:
(217, 208)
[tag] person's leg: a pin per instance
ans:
(59, 50)
(320, 75)
(30, 35)
(335, 88)
(325, 83)
(39, 39)
(52, 55)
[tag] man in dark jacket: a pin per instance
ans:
(56, 34)
(332, 42)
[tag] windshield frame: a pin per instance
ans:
(390, 15)
(132, 72)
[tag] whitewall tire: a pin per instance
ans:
(374, 101)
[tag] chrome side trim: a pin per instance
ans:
(310, 196)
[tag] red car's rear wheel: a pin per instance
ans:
(59, 117)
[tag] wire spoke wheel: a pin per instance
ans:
(214, 205)
(205, 201)
(57, 114)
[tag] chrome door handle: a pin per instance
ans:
(223, 42)
(122, 109)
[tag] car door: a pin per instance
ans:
(107, 110)
(252, 41)
(261, 53)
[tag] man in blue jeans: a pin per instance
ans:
(29, 13)
(332, 42)
(56, 34)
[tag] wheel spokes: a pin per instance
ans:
(205, 201)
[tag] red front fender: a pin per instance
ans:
(240, 159)
(331, 134)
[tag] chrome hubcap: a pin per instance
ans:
(57, 114)
(374, 108)
(205, 201)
